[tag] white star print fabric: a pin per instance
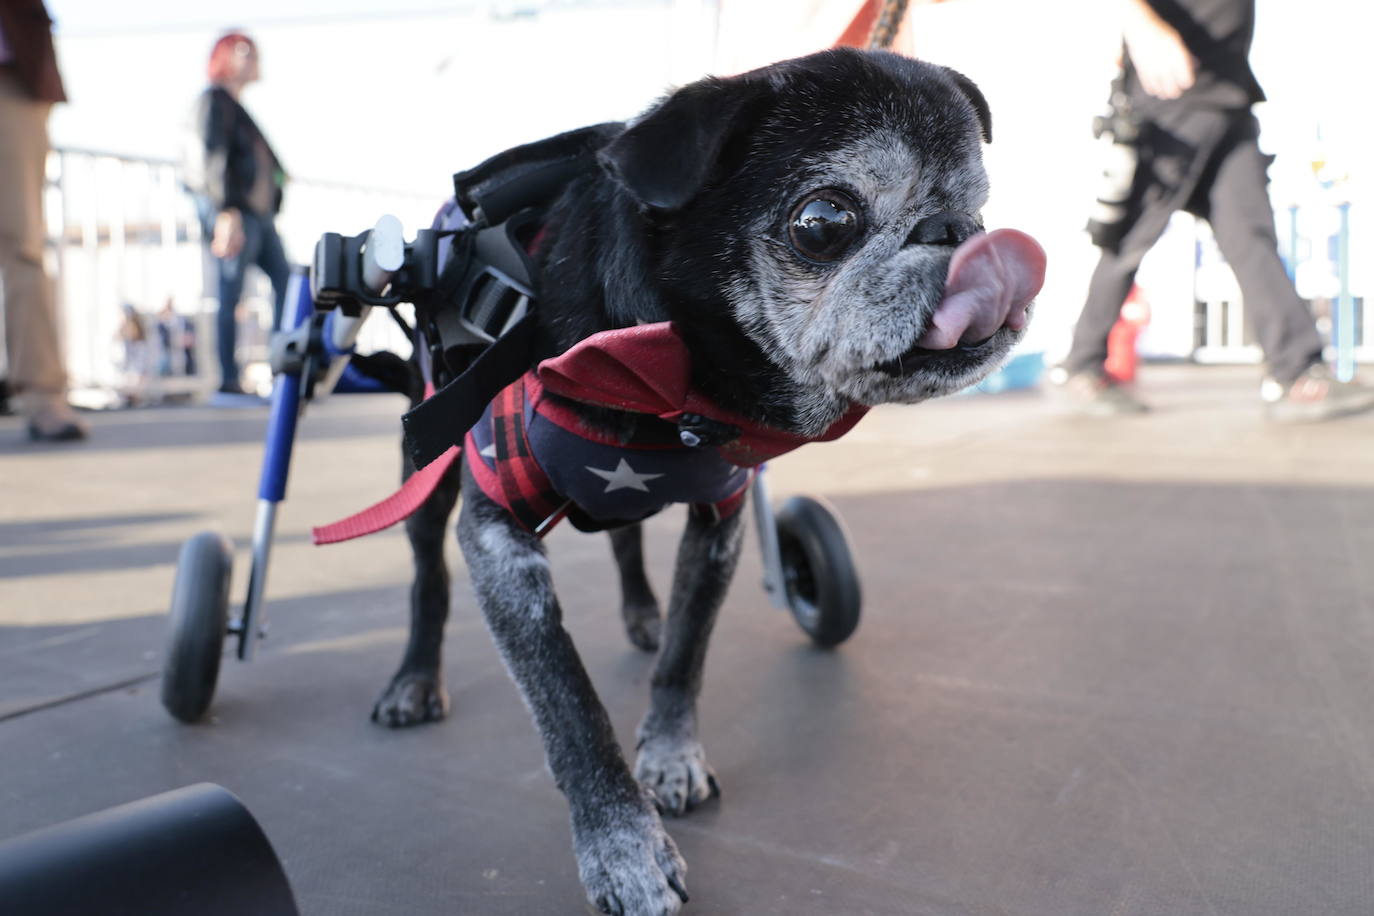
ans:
(612, 483)
(624, 476)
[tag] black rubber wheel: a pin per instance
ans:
(198, 619)
(818, 571)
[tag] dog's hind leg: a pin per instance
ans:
(416, 693)
(671, 763)
(638, 606)
(626, 860)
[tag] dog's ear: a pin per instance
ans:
(975, 97)
(665, 157)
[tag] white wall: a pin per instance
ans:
(405, 103)
(399, 103)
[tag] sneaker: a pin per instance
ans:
(1095, 394)
(1318, 395)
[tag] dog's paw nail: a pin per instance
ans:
(643, 634)
(411, 699)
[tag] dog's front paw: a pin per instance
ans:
(411, 699)
(676, 773)
(631, 867)
(643, 624)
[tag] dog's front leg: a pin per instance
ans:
(638, 606)
(627, 862)
(671, 763)
(416, 692)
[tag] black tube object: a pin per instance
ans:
(195, 850)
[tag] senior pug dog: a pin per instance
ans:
(811, 230)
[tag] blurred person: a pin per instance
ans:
(134, 358)
(176, 342)
(30, 84)
(1185, 139)
(238, 181)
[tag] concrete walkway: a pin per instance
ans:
(1114, 667)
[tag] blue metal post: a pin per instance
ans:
(1345, 309)
(286, 399)
(1292, 264)
(276, 462)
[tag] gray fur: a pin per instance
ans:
(638, 606)
(828, 329)
(671, 762)
(627, 862)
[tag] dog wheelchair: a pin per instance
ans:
(808, 564)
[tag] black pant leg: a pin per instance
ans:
(1242, 220)
(1178, 147)
(1110, 284)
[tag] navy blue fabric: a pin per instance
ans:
(610, 483)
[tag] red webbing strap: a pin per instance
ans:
(394, 508)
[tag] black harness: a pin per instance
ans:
(475, 298)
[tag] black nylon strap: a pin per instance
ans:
(442, 420)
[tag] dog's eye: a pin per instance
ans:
(823, 225)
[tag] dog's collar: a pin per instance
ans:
(647, 369)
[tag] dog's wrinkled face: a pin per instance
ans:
(828, 220)
(841, 286)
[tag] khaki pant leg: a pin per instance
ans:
(31, 341)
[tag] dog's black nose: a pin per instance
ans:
(948, 227)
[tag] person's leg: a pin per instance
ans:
(231, 275)
(1116, 269)
(272, 260)
(1111, 282)
(36, 371)
(35, 363)
(1243, 222)
(226, 326)
(1086, 383)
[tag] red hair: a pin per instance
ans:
(222, 54)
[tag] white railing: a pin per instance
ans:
(1307, 239)
(122, 230)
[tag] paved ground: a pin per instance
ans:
(1105, 668)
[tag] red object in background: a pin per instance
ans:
(860, 27)
(1122, 357)
(856, 33)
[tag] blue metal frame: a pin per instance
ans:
(286, 401)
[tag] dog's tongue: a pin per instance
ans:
(992, 278)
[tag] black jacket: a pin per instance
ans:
(222, 164)
(1219, 34)
(28, 32)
